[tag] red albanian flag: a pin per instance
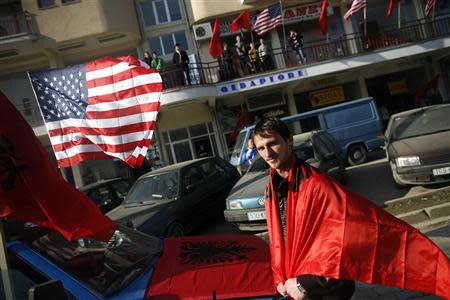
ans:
(336, 233)
(392, 4)
(229, 266)
(32, 190)
(323, 19)
(215, 47)
(242, 21)
(242, 122)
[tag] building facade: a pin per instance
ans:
(389, 58)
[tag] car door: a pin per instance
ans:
(217, 184)
(195, 196)
(330, 160)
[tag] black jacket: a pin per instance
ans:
(183, 62)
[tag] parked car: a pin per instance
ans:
(418, 145)
(108, 194)
(245, 203)
(134, 266)
(174, 200)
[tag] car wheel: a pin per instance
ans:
(356, 154)
(175, 229)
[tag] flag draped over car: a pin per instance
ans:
(102, 109)
(357, 5)
(268, 19)
(333, 232)
(242, 21)
(206, 267)
(32, 189)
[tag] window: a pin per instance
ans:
(160, 11)
(68, 1)
(46, 3)
(165, 44)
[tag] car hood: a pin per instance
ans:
(138, 214)
(232, 266)
(433, 143)
(250, 185)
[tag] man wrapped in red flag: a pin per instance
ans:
(322, 235)
(32, 190)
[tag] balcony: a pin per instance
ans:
(320, 51)
(15, 25)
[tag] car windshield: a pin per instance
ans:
(104, 268)
(154, 187)
(239, 142)
(422, 122)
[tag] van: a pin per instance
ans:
(356, 125)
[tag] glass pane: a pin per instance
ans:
(178, 134)
(174, 8)
(168, 44)
(166, 137)
(154, 44)
(154, 188)
(147, 13)
(180, 37)
(169, 154)
(197, 130)
(161, 11)
(46, 3)
(182, 152)
(211, 130)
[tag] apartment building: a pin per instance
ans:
(42, 34)
(388, 58)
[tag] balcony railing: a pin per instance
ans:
(316, 51)
(15, 24)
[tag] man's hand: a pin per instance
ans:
(282, 290)
(292, 290)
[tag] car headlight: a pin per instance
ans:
(235, 204)
(407, 161)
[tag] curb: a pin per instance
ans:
(427, 193)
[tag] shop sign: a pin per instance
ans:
(397, 87)
(324, 81)
(305, 12)
(326, 96)
(261, 81)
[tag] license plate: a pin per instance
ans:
(256, 215)
(441, 171)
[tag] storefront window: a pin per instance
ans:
(188, 143)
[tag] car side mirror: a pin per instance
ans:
(50, 290)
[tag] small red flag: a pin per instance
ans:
(215, 47)
(323, 19)
(242, 122)
(32, 189)
(242, 21)
(392, 4)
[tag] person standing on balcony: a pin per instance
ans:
(147, 58)
(296, 42)
(254, 58)
(241, 53)
(264, 52)
(157, 62)
(181, 60)
(227, 61)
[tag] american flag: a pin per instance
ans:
(357, 5)
(268, 19)
(105, 108)
(429, 6)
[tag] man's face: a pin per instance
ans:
(274, 150)
(177, 48)
(154, 55)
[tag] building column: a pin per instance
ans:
(348, 28)
(218, 134)
(363, 87)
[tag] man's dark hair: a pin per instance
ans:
(268, 126)
(154, 52)
(177, 45)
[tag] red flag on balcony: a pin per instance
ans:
(323, 19)
(242, 21)
(32, 189)
(215, 47)
(392, 4)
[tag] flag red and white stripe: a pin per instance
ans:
(123, 100)
(268, 19)
(429, 6)
(357, 5)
